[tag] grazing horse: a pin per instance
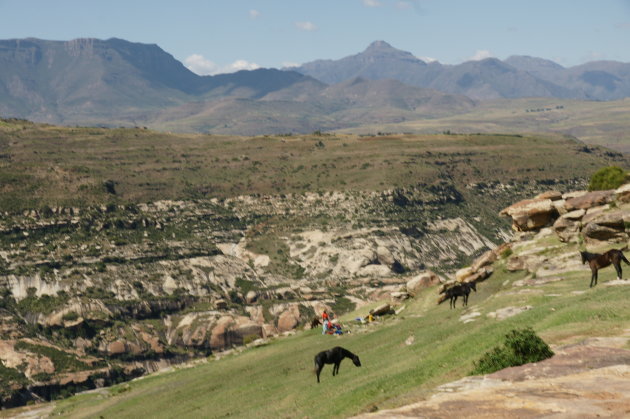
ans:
(458, 290)
(597, 261)
(334, 356)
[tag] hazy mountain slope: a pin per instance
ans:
(76, 79)
(95, 81)
(308, 106)
(516, 77)
(379, 61)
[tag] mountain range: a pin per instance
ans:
(491, 78)
(115, 82)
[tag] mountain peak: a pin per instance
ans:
(380, 46)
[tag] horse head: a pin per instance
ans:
(584, 258)
(356, 361)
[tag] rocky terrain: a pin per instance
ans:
(129, 315)
(92, 296)
(570, 383)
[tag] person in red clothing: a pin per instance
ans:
(325, 320)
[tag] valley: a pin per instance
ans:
(125, 251)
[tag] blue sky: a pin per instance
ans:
(215, 36)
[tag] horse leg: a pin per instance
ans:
(618, 269)
(319, 369)
(593, 278)
(336, 368)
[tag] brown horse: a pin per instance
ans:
(458, 290)
(597, 261)
(315, 322)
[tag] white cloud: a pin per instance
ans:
(403, 5)
(289, 64)
(240, 65)
(204, 67)
(254, 13)
(481, 54)
(198, 64)
(306, 26)
(371, 3)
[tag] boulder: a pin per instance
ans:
(567, 229)
(590, 199)
(220, 337)
(251, 297)
(553, 195)
(116, 347)
(574, 215)
(573, 194)
(384, 256)
(422, 280)
(249, 331)
(594, 231)
(462, 274)
(484, 260)
(288, 319)
(399, 295)
(531, 214)
(622, 193)
(381, 310)
(613, 219)
(608, 225)
(560, 205)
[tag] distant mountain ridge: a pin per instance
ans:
(516, 77)
(115, 82)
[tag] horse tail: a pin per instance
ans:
(624, 258)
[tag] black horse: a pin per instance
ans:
(458, 290)
(597, 261)
(334, 356)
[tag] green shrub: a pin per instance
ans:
(506, 253)
(520, 347)
(610, 177)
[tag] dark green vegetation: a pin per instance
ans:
(520, 347)
(610, 177)
(403, 357)
(45, 166)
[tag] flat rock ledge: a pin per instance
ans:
(581, 381)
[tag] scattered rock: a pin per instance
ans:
(589, 200)
(531, 214)
(507, 312)
(423, 280)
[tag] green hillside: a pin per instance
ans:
(404, 356)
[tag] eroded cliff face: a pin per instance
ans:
(91, 296)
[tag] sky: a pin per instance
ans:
(219, 36)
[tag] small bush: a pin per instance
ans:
(520, 347)
(506, 253)
(610, 177)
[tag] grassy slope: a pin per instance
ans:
(600, 123)
(46, 165)
(277, 380)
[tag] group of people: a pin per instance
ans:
(332, 327)
(328, 326)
